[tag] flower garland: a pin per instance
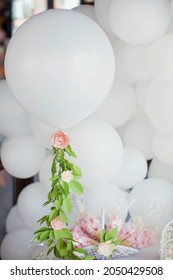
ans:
(64, 180)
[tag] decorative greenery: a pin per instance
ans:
(108, 242)
(64, 180)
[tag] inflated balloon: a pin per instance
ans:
(14, 119)
(132, 61)
(16, 244)
(30, 204)
(45, 173)
(139, 134)
(160, 60)
(163, 147)
(99, 151)
(22, 156)
(152, 199)
(60, 77)
(14, 220)
(158, 169)
(139, 22)
(133, 169)
(119, 105)
(41, 132)
(105, 196)
(141, 91)
(159, 100)
(101, 11)
(87, 10)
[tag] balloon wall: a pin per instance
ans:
(104, 74)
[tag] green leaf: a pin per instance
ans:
(43, 219)
(67, 205)
(103, 234)
(69, 151)
(56, 252)
(49, 242)
(76, 187)
(77, 173)
(63, 217)
(56, 192)
(117, 242)
(41, 229)
(50, 250)
(65, 187)
(53, 167)
(53, 214)
(89, 258)
(61, 246)
(112, 235)
(43, 236)
(58, 203)
(63, 233)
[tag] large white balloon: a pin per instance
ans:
(30, 204)
(133, 169)
(132, 61)
(107, 196)
(119, 105)
(14, 119)
(45, 173)
(159, 110)
(87, 10)
(60, 77)
(152, 199)
(139, 22)
(160, 59)
(101, 11)
(158, 169)
(139, 134)
(22, 156)
(141, 92)
(99, 151)
(163, 147)
(14, 220)
(15, 245)
(42, 132)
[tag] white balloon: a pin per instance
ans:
(15, 245)
(30, 204)
(42, 132)
(63, 79)
(152, 199)
(163, 147)
(45, 173)
(105, 197)
(119, 105)
(14, 119)
(22, 156)
(158, 169)
(14, 220)
(133, 170)
(99, 151)
(160, 59)
(141, 91)
(101, 11)
(132, 60)
(159, 100)
(139, 22)
(87, 10)
(139, 134)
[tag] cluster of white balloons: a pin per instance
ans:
(104, 74)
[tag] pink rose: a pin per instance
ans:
(57, 223)
(60, 139)
(67, 176)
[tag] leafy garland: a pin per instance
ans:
(56, 235)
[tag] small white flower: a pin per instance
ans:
(106, 248)
(67, 176)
